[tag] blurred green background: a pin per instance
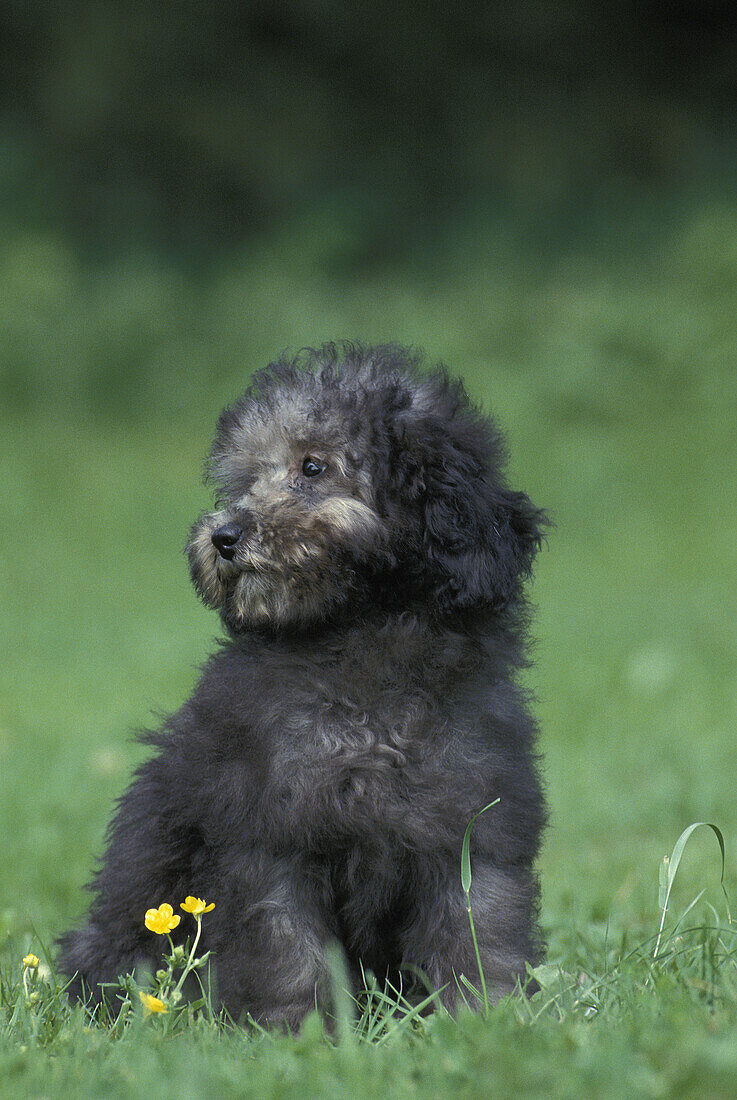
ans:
(541, 195)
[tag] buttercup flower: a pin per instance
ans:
(151, 1003)
(30, 962)
(161, 920)
(196, 906)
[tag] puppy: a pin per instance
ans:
(367, 558)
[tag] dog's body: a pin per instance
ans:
(368, 562)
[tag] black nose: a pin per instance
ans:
(226, 538)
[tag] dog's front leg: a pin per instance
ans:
(273, 925)
(438, 938)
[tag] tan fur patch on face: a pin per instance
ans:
(281, 571)
(350, 518)
(262, 601)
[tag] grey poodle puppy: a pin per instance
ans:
(367, 558)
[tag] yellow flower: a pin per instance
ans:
(196, 906)
(161, 920)
(30, 962)
(151, 1003)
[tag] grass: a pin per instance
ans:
(614, 378)
(622, 1022)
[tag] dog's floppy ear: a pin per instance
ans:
(479, 537)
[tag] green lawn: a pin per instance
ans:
(616, 382)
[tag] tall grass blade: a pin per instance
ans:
(466, 849)
(466, 883)
(344, 1006)
(669, 869)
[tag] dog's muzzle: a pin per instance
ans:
(226, 538)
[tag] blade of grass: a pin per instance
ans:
(343, 1001)
(669, 869)
(466, 883)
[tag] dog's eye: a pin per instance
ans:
(311, 467)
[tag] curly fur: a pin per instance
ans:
(317, 784)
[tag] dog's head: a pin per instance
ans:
(347, 478)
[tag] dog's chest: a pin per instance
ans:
(340, 766)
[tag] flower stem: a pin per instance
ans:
(190, 960)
